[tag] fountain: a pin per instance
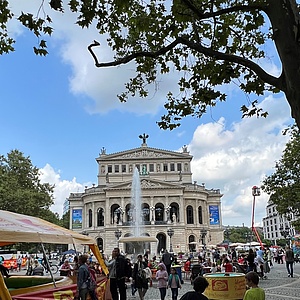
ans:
(136, 240)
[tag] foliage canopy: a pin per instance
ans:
(210, 43)
(21, 190)
(283, 185)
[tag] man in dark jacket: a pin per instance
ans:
(289, 261)
(118, 272)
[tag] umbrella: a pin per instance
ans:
(71, 251)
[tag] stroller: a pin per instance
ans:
(196, 271)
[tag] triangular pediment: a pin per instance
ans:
(145, 153)
(146, 183)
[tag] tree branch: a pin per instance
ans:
(261, 73)
(241, 8)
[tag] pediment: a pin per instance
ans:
(145, 153)
(146, 183)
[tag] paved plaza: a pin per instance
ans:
(278, 286)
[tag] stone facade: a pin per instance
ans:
(170, 200)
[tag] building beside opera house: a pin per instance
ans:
(182, 215)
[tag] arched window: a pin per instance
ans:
(159, 213)
(192, 243)
(145, 212)
(174, 212)
(189, 215)
(200, 215)
(162, 242)
(90, 218)
(100, 217)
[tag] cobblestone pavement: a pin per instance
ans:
(278, 286)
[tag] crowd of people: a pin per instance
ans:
(255, 264)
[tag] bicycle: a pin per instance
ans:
(53, 268)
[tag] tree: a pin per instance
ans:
(283, 185)
(21, 190)
(210, 43)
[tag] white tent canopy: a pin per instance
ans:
(16, 228)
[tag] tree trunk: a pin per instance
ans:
(284, 17)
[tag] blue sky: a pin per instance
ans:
(60, 110)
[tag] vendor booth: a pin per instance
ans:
(16, 228)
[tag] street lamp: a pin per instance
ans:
(170, 233)
(203, 233)
(118, 234)
(227, 233)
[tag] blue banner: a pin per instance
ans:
(76, 218)
(214, 216)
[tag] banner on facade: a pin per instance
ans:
(214, 215)
(76, 218)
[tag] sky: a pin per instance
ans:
(60, 110)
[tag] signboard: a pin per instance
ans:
(76, 218)
(214, 216)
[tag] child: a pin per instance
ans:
(174, 283)
(162, 280)
(254, 292)
(200, 284)
(227, 265)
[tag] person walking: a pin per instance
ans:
(139, 279)
(19, 263)
(289, 261)
(162, 280)
(174, 283)
(82, 277)
(167, 259)
(255, 292)
(118, 273)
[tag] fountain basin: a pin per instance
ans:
(137, 239)
(230, 286)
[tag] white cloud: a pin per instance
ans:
(238, 158)
(62, 188)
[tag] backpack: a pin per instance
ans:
(91, 282)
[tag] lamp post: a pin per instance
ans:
(170, 233)
(118, 234)
(203, 233)
(84, 233)
(227, 233)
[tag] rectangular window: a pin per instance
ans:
(172, 167)
(138, 167)
(271, 222)
(123, 168)
(179, 168)
(165, 167)
(109, 168)
(117, 168)
(151, 167)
